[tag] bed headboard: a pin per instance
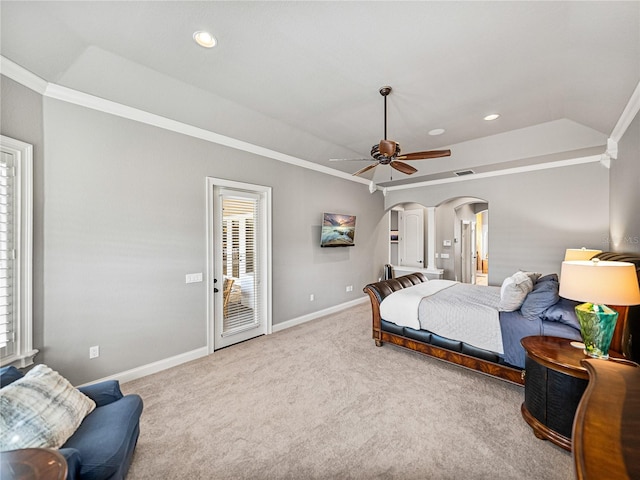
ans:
(387, 287)
(626, 336)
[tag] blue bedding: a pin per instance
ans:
(515, 327)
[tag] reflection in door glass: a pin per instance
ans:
(239, 250)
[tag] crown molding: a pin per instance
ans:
(69, 95)
(500, 173)
(628, 114)
(21, 75)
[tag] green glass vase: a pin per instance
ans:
(597, 323)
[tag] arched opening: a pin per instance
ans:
(449, 240)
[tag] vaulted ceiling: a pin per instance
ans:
(302, 78)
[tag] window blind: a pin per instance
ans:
(240, 217)
(7, 255)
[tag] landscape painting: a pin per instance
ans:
(338, 230)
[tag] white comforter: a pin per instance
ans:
(458, 311)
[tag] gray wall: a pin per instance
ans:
(535, 215)
(124, 221)
(21, 119)
(624, 235)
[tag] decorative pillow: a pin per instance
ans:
(41, 409)
(533, 276)
(563, 312)
(546, 278)
(543, 296)
(513, 291)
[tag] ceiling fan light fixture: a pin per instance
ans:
(205, 39)
(491, 117)
(436, 131)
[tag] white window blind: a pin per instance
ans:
(7, 255)
(240, 224)
(16, 205)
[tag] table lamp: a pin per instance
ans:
(583, 253)
(598, 282)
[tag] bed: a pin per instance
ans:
(468, 328)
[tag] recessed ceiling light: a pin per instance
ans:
(205, 39)
(436, 131)
(493, 116)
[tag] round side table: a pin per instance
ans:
(32, 464)
(553, 386)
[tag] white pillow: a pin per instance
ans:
(534, 276)
(514, 290)
(41, 409)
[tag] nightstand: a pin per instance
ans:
(553, 386)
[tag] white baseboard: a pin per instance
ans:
(160, 365)
(154, 367)
(320, 313)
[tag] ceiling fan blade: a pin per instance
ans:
(367, 168)
(403, 167)
(387, 148)
(425, 155)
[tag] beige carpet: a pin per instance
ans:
(321, 401)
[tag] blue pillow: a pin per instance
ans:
(563, 312)
(546, 278)
(9, 375)
(543, 296)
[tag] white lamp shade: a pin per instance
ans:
(572, 254)
(611, 283)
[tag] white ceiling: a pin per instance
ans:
(302, 78)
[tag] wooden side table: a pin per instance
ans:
(32, 464)
(553, 386)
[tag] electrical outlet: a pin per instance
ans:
(94, 352)
(312, 297)
(444, 255)
(349, 288)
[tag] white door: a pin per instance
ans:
(239, 286)
(467, 252)
(411, 241)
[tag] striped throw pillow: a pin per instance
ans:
(41, 409)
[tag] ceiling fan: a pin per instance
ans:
(387, 152)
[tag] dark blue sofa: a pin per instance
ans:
(102, 447)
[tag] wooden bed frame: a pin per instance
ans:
(621, 342)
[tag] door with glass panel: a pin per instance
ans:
(239, 280)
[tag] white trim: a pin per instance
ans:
(154, 367)
(499, 173)
(166, 363)
(320, 313)
(107, 106)
(58, 92)
(21, 75)
(628, 114)
(23, 295)
(69, 95)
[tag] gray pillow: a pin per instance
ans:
(543, 296)
(513, 291)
